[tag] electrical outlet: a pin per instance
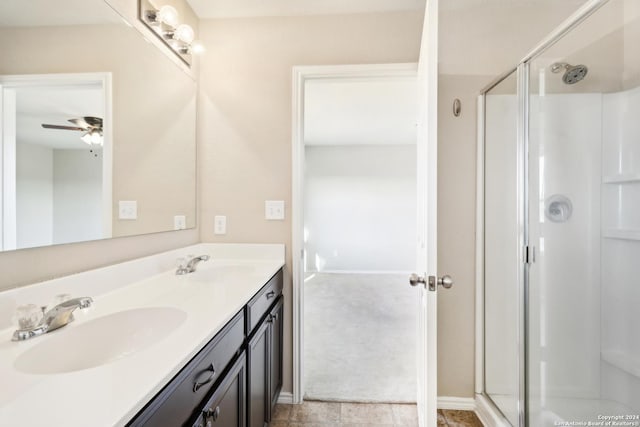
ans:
(274, 209)
(179, 222)
(220, 224)
(127, 209)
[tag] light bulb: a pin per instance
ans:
(185, 33)
(168, 15)
(96, 138)
(86, 138)
(197, 47)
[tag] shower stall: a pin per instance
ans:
(559, 206)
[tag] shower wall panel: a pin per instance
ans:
(564, 292)
(620, 293)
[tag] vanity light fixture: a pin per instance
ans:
(164, 21)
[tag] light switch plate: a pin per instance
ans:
(127, 209)
(274, 209)
(179, 222)
(220, 224)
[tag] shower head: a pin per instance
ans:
(572, 73)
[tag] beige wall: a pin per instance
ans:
(26, 266)
(245, 113)
(456, 233)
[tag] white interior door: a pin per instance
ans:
(426, 263)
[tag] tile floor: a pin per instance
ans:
(329, 414)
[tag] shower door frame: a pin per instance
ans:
(487, 409)
(526, 253)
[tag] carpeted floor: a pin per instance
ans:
(359, 338)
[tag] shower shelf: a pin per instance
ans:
(621, 234)
(621, 360)
(621, 178)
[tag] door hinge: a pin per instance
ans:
(529, 254)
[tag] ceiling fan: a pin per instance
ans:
(91, 126)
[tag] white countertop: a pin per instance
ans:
(113, 393)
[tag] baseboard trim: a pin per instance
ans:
(488, 414)
(285, 398)
(456, 403)
(381, 272)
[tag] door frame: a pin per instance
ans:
(301, 74)
(63, 79)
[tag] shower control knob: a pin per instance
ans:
(415, 280)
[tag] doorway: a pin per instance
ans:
(357, 194)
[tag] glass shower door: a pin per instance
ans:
(501, 242)
(584, 209)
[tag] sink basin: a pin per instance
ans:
(99, 341)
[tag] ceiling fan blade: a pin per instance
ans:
(95, 122)
(47, 126)
(80, 122)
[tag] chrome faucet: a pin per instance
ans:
(191, 265)
(55, 318)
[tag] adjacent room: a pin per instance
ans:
(359, 238)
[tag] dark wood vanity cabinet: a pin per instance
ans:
(264, 352)
(264, 355)
(234, 381)
(276, 331)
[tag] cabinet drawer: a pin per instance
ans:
(262, 301)
(174, 405)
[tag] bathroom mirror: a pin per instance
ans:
(97, 127)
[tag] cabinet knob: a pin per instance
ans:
(215, 413)
(271, 294)
(212, 415)
(270, 318)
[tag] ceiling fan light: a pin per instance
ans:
(168, 15)
(86, 138)
(96, 138)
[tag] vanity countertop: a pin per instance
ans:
(113, 393)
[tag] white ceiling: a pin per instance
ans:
(55, 105)
(351, 112)
(37, 13)
(238, 8)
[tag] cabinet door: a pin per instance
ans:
(258, 356)
(227, 405)
(276, 336)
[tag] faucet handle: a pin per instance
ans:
(27, 316)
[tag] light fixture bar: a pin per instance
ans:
(165, 23)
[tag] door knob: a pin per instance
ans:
(445, 281)
(415, 280)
